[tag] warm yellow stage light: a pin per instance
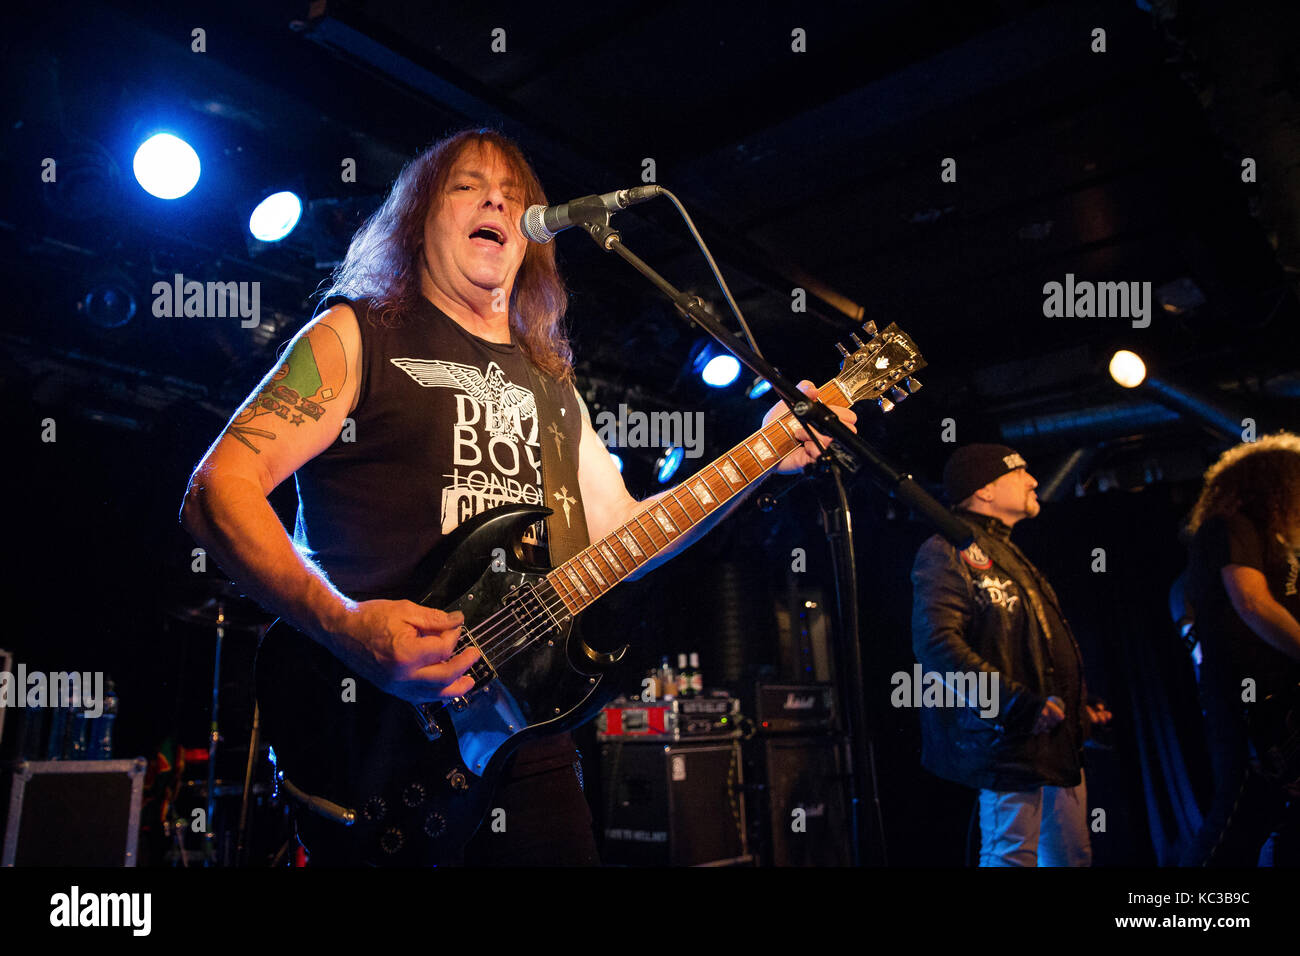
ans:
(1127, 368)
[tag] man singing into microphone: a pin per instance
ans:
(420, 397)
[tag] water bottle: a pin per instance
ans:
(101, 744)
(74, 748)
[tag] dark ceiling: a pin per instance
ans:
(817, 170)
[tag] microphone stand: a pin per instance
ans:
(847, 453)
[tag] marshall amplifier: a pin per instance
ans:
(802, 806)
(795, 708)
(683, 718)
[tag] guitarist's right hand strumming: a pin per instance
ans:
(404, 649)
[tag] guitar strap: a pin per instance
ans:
(559, 420)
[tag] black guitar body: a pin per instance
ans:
(1274, 725)
(419, 780)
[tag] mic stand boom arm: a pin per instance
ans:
(853, 451)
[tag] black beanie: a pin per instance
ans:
(971, 467)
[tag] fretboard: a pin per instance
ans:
(597, 568)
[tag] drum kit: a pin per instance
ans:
(209, 819)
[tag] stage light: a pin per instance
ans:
(275, 217)
(1127, 368)
(760, 387)
(109, 302)
(668, 464)
(618, 461)
(166, 166)
(720, 371)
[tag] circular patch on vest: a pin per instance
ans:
(976, 558)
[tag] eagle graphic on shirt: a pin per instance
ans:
(507, 404)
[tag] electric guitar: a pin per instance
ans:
(1274, 726)
(408, 785)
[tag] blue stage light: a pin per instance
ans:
(166, 166)
(618, 461)
(275, 217)
(721, 371)
(761, 386)
(668, 464)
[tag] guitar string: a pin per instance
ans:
(534, 628)
(503, 634)
(493, 640)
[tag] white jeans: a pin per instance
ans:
(1047, 826)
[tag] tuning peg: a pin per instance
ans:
(897, 394)
(913, 385)
(843, 351)
(884, 404)
(856, 341)
(869, 328)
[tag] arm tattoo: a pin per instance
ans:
(312, 374)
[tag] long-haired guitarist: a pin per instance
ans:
(1242, 585)
(428, 390)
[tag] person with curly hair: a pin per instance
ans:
(1242, 585)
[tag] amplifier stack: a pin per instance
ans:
(802, 817)
(672, 775)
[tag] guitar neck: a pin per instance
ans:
(595, 570)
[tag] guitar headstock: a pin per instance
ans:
(877, 366)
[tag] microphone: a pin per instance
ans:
(541, 223)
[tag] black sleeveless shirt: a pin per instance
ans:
(446, 425)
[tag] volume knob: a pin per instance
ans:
(391, 841)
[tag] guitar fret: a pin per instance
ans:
(765, 450)
(730, 474)
(654, 547)
(565, 591)
(660, 514)
(789, 432)
(758, 464)
(556, 583)
(590, 565)
(615, 564)
(630, 545)
(576, 579)
(703, 494)
(719, 485)
(564, 600)
(613, 574)
(691, 491)
(686, 514)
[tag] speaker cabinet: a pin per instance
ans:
(673, 804)
(74, 813)
(805, 823)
